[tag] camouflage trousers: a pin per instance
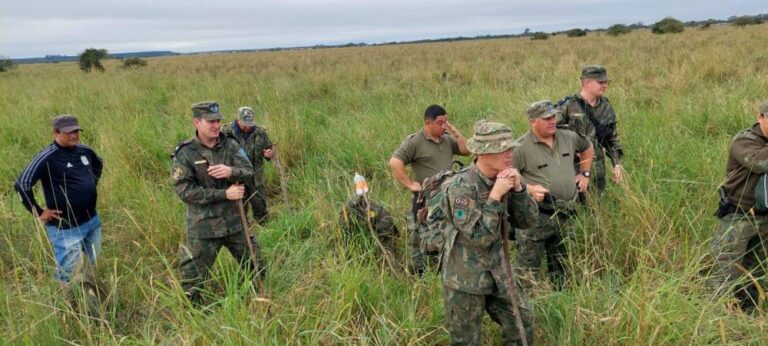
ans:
(739, 243)
(546, 239)
(199, 254)
(464, 315)
(256, 196)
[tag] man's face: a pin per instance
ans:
(208, 129)
(436, 127)
(545, 127)
(762, 119)
(595, 87)
(499, 161)
(244, 128)
(67, 139)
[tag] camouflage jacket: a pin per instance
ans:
(747, 160)
(472, 257)
(353, 217)
(254, 144)
(573, 115)
(209, 213)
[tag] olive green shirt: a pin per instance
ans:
(551, 167)
(426, 156)
(747, 160)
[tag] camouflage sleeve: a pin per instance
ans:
(186, 185)
(523, 211)
(751, 154)
(480, 226)
(242, 169)
(614, 149)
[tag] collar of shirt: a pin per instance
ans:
(429, 138)
(486, 180)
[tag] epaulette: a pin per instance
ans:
(746, 133)
(179, 146)
(564, 100)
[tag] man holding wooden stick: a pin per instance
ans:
(475, 267)
(206, 173)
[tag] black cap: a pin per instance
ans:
(65, 123)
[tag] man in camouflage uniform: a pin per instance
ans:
(544, 156)
(739, 239)
(590, 113)
(428, 152)
(207, 173)
(474, 278)
(258, 147)
(353, 218)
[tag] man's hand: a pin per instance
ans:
(537, 192)
(235, 192)
(618, 174)
(452, 130)
(512, 173)
(220, 171)
(582, 182)
(414, 186)
(505, 180)
(50, 214)
(268, 153)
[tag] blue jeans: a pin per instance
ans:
(70, 242)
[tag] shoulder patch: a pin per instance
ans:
(179, 146)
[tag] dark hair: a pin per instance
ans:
(433, 112)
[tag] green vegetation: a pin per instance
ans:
(134, 63)
(539, 36)
(90, 59)
(747, 20)
(618, 29)
(6, 64)
(639, 264)
(576, 33)
(668, 25)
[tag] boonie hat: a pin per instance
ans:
(490, 138)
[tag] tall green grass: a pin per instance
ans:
(637, 258)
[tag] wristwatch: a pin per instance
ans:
(586, 174)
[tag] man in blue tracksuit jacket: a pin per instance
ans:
(69, 172)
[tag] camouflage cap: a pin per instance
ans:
(208, 110)
(763, 107)
(245, 116)
(65, 123)
(596, 72)
(490, 138)
(541, 110)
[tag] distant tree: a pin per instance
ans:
(90, 59)
(746, 20)
(527, 32)
(134, 63)
(539, 36)
(6, 64)
(618, 29)
(576, 32)
(667, 25)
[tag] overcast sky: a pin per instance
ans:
(32, 28)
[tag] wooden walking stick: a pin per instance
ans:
(281, 172)
(510, 283)
(251, 249)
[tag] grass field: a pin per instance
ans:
(638, 258)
